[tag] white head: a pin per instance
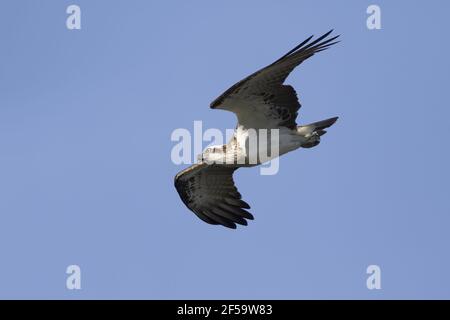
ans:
(213, 154)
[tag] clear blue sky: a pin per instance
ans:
(86, 176)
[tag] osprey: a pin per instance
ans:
(260, 101)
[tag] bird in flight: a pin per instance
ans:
(261, 102)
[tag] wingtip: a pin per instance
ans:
(329, 33)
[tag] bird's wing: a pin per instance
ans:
(209, 191)
(261, 100)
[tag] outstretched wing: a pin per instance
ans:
(261, 100)
(209, 191)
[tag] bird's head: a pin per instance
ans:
(212, 154)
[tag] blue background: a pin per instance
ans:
(86, 176)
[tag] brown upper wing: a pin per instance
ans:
(261, 100)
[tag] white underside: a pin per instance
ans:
(256, 147)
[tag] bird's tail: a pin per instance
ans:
(313, 131)
(318, 127)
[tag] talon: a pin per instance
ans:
(313, 140)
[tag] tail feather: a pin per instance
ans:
(316, 127)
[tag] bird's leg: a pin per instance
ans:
(311, 140)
